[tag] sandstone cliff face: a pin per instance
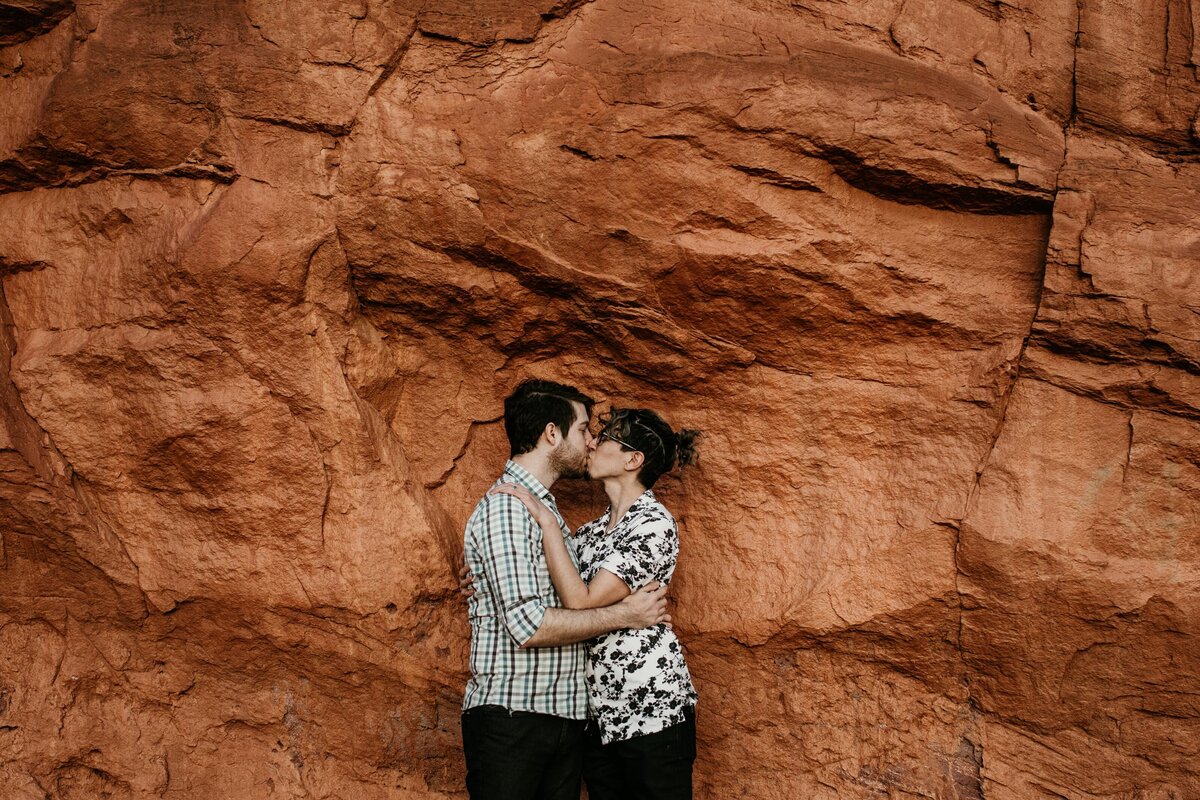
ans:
(926, 273)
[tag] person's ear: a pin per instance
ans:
(551, 434)
(635, 460)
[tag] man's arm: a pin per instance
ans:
(510, 574)
(645, 607)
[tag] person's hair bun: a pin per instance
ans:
(685, 446)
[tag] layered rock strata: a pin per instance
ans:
(925, 273)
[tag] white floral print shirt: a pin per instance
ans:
(637, 680)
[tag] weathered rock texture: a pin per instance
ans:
(927, 272)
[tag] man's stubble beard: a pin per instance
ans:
(569, 462)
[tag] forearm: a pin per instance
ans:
(565, 626)
(570, 587)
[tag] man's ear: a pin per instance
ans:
(551, 434)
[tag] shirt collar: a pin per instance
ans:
(524, 477)
(643, 501)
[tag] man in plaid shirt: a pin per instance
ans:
(525, 708)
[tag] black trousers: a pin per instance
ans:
(520, 755)
(657, 766)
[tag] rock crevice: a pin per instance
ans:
(922, 273)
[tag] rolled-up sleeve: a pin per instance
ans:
(642, 555)
(506, 548)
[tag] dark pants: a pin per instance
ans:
(657, 766)
(521, 755)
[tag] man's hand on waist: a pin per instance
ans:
(645, 607)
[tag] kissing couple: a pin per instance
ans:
(575, 670)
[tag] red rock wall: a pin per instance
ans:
(927, 272)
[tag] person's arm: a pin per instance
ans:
(645, 607)
(603, 590)
(510, 576)
(466, 581)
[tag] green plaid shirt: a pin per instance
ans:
(503, 549)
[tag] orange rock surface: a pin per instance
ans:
(926, 272)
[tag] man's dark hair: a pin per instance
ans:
(642, 429)
(533, 405)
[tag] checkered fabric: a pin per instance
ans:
(503, 549)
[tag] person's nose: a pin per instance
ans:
(592, 441)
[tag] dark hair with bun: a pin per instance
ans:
(643, 430)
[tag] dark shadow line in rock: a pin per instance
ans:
(902, 187)
(997, 430)
(1142, 398)
(390, 67)
(9, 266)
(65, 170)
(481, 44)
(533, 279)
(577, 151)
(778, 179)
(301, 125)
(1015, 371)
(558, 11)
(37, 164)
(440, 481)
(992, 9)
(1155, 351)
(18, 25)
(562, 8)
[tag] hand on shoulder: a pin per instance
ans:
(537, 509)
